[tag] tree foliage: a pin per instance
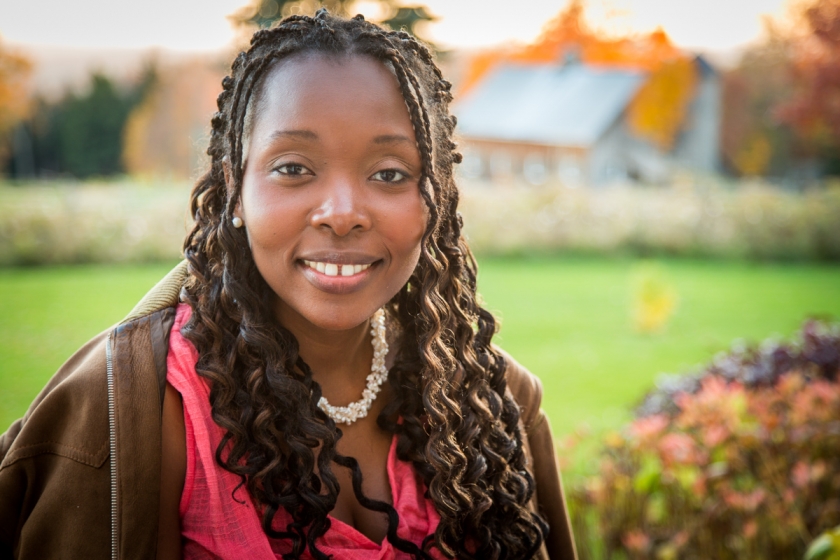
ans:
(90, 131)
(813, 110)
(782, 101)
(753, 143)
(164, 135)
(264, 13)
(14, 102)
(409, 18)
(80, 135)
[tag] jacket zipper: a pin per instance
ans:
(113, 445)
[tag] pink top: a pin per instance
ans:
(214, 525)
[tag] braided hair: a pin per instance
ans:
(453, 419)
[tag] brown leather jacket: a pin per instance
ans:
(80, 472)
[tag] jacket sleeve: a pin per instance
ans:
(550, 496)
(8, 437)
(526, 389)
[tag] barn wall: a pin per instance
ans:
(698, 147)
(536, 163)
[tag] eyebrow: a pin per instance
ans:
(393, 139)
(312, 137)
(300, 134)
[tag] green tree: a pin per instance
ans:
(82, 134)
(264, 13)
(90, 132)
(408, 18)
(90, 138)
(14, 102)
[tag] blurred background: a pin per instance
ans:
(652, 189)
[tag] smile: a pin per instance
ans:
(332, 269)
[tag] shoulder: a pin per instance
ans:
(69, 417)
(111, 387)
(525, 387)
(164, 294)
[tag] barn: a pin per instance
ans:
(569, 123)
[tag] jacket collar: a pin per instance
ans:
(165, 293)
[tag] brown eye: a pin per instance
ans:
(388, 176)
(292, 169)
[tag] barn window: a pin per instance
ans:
(501, 164)
(472, 166)
(533, 167)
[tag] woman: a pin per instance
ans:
(326, 384)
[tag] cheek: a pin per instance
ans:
(407, 228)
(268, 218)
(273, 227)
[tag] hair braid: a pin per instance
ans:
(451, 413)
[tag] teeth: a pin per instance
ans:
(330, 269)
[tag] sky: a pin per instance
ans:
(201, 25)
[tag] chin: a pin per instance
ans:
(327, 316)
(339, 321)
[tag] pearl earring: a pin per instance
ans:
(237, 222)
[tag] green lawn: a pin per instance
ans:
(47, 313)
(567, 319)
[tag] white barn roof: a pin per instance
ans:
(570, 105)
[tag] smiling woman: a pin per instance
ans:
(326, 259)
(331, 184)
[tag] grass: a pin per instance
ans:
(569, 321)
(565, 318)
(46, 314)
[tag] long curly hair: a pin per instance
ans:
(453, 420)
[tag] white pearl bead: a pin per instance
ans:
(359, 409)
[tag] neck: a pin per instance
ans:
(340, 360)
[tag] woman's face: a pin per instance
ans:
(330, 196)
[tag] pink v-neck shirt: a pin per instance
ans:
(216, 523)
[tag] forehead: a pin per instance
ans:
(308, 88)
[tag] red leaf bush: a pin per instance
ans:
(734, 466)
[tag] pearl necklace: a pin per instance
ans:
(378, 374)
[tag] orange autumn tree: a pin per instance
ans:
(781, 103)
(813, 107)
(14, 99)
(166, 134)
(657, 113)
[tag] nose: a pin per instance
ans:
(341, 208)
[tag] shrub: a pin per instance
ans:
(734, 466)
(128, 221)
(825, 547)
(747, 220)
(91, 222)
(816, 353)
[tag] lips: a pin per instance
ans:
(342, 273)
